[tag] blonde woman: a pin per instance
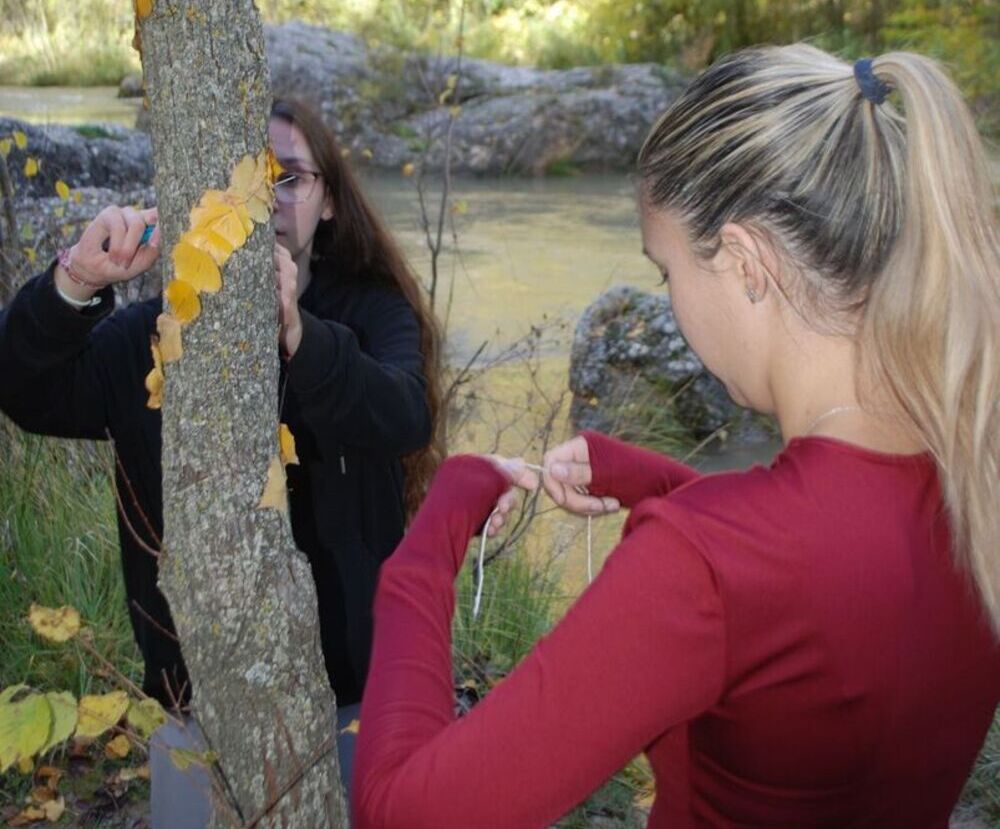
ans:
(812, 644)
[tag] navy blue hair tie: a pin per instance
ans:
(871, 87)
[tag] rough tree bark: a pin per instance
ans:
(241, 595)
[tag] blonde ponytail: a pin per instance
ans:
(932, 320)
(889, 218)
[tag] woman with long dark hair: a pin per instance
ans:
(360, 393)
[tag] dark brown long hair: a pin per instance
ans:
(359, 243)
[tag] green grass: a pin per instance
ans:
(95, 131)
(59, 546)
(518, 606)
(90, 61)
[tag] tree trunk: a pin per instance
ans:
(241, 595)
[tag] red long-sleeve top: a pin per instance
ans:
(791, 647)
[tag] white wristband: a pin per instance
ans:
(77, 303)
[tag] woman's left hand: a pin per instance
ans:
(520, 477)
(287, 277)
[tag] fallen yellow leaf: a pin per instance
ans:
(56, 624)
(182, 758)
(195, 265)
(54, 809)
(183, 300)
(24, 728)
(117, 748)
(98, 713)
(77, 196)
(5, 147)
(30, 814)
(20, 139)
(31, 167)
(9, 693)
(62, 188)
(169, 330)
(64, 712)
(352, 727)
(26, 765)
(50, 774)
(42, 794)
(286, 444)
(275, 493)
(408, 169)
(30, 254)
(145, 716)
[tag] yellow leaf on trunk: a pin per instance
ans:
(183, 300)
(155, 379)
(210, 243)
(169, 329)
(275, 492)
(98, 713)
(249, 177)
(196, 266)
(56, 624)
(221, 217)
(274, 168)
(286, 444)
(143, 8)
(216, 202)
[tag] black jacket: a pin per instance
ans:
(355, 399)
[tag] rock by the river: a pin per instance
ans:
(513, 119)
(108, 156)
(632, 374)
(387, 108)
(130, 86)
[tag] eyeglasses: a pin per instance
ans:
(295, 188)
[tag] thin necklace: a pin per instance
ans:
(830, 413)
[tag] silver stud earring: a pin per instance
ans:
(752, 295)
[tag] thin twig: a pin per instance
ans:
(325, 748)
(153, 622)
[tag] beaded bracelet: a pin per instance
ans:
(65, 259)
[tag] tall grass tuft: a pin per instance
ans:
(59, 546)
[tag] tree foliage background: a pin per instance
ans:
(51, 41)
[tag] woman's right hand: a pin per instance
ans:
(566, 478)
(125, 257)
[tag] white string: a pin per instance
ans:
(590, 554)
(480, 575)
(480, 572)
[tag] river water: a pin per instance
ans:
(520, 255)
